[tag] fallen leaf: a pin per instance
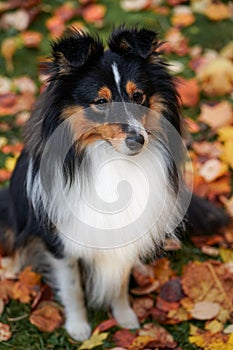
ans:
(94, 13)
(175, 42)
(228, 329)
(143, 274)
(217, 11)
(8, 49)
(213, 169)
(137, 5)
(214, 326)
(27, 286)
(217, 115)
(226, 254)
(5, 85)
(5, 332)
(123, 338)
(189, 91)
(142, 307)
(171, 291)
(182, 16)
(166, 305)
(216, 78)
(10, 163)
(205, 310)
(31, 39)
(56, 26)
(208, 149)
(161, 338)
(65, 11)
(18, 20)
(140, 342)
(47, 317)
(105, 325)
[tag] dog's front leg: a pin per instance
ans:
(70, 291)
(121, 309)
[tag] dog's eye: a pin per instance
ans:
(101, 101)
(138, 97)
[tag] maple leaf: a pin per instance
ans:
(95, 340)
(27, 286)
(47, 317)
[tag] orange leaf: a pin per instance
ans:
(189, 91)
(217, 11)
(47, 317)
(94, 13)
(31, 38)
(182, 17)
(105, 325)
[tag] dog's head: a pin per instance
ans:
(109, 94)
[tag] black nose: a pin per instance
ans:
(135, 142)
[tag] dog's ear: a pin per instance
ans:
(74, 50)
(138, 42)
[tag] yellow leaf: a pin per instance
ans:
(141, 341)
(225, 133)
(10, 163)
(3, 141)
(226, 155)
(226, 254)
(95, 340)
(214, 326)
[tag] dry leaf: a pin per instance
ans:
(205, 310)
(176, 42)
(160, 336)
(136, 5)
(217, 115)
(143, 274)
(207, 149)
(213, 169)
(56, 26)
(182, 16)
(8, 49)
(27, 286)
(94, 13)
(171, 291)
(226, 255)
(18, 20)
(189, 91)
(214, 326)
(31, 38)
(5, 332)
(47, 317)
(123, 338)
(140, 342)
(142, 307)
(105, 325)
(217, 11)
(216, 78)
(10, 163)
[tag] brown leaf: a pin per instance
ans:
(65, 11)
(166, 305)
(47, 317)
(56, 26)
(123, 338)
(105, 325)
(142, 307)
(171, 291)
(163, 271)
(27, 286)
(143, 274)
(176, 42)
(161, 337)
(5, 332)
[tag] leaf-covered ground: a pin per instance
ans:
(184, 300)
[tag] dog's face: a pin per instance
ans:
(114, 95)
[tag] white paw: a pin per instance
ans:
(126, 318)
(78, 330)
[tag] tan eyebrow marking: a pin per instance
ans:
(131, 87)
(105, 92)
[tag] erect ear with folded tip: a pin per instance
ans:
(74, 50)
(138, 42)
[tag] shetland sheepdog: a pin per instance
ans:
(98, 186)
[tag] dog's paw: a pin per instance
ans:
(78, 330)
(126, 318)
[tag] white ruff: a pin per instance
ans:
(100, 211)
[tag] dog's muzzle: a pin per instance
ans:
(135, 141)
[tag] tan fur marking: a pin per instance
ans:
(105, 92)
(86, 132)
(131, 87)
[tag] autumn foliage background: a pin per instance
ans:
(184, 300)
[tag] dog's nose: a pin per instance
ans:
(135, 142)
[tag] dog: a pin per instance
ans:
(104, 116)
